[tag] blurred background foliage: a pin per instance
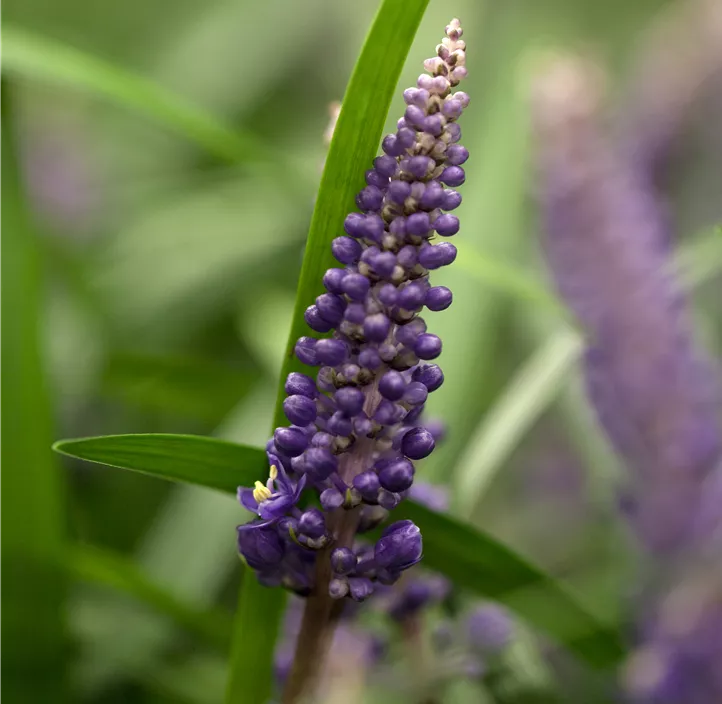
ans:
(166, 281)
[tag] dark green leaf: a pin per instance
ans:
(99, 566)
(255, 628)
(470, 558)
(483, 565)
(185, 458)
(354, 145)
(33, 587)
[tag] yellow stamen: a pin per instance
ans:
(273, 472)
(261, 492)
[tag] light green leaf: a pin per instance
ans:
(29, 56)
(33, 589)
(469, 557)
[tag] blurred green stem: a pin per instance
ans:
(33, 664)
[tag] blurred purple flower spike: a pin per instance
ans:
(654, 393)
(607, 247)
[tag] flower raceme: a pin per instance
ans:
(653, 390)
(355, 429)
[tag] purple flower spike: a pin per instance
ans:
(338, 588)
(306, 351)
(312, 523)
(451, 199)
(438, 298)
(397, 475)
(316, 321)
(399, 547)
(291, 441)
(331, 499)
(430, 375)
(346, 250)
(349, 400)
(367, 484)
(320, 462)
(416, 393)
(446, 225)
(260, 545)
(343, 560)
(436, 256)
(453, 176)
(298, 383)
(456, 154)
(331, 352)
(376, 327)
(411, 296)
(392, 385)
(356, 286)
(300, 410)
(361, 588)
(417, 444)
(356, 429)
(418, 224)
(331, 307)
(427, 346)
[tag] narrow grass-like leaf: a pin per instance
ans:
(100, 566)
(255, 628)
(354, 145)
(26, 55)
(525, 398)
(469, 557)
(194, 459)
(33, 589)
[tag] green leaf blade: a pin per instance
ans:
(472, 559)
(478, 562)
(255, 629)
(193, 459)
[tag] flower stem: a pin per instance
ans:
(320, 616)
(322, 612)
